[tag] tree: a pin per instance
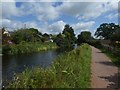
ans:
(27, 35)
(69, 34)
(116, 35)
(84, 37)
(67, 38)
(106, 30)
(59, 40)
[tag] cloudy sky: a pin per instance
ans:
(50, 17)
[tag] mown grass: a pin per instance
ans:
(30, 47)
(69, 70)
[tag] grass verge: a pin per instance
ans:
(69, 70)
(115, 58)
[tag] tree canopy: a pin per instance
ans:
(28, 35)
(106, 30)
(84, 37)
(67, 38)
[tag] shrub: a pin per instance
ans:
(6, 49)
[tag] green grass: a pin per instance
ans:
(115, 58)
(26, 47)
(69, 70)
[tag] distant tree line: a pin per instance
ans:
(24, 35)
(66, 38)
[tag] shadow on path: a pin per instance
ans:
(100, 52)
(114, 81)
(106, 63)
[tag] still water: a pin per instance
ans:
(17, 64)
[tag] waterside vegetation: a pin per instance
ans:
(69, 70)
(29, 47)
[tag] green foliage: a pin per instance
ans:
(24, 47)
(67, 38)
(116, 35)
(69, 70)
(114, 57)
(96, 43)
(106, 30)
(28, 35)
(6, 49)
(84, 37)
(112, 32)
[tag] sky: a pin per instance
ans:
(51, 17)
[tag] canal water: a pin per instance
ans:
(17, 64)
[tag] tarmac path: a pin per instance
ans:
(104, 73)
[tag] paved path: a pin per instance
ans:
(104, 73)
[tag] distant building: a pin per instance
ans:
(6, 32)
(6, 37)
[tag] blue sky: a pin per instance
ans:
(50, 17)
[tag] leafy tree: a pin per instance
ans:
(116, 35)
(106, 30)
(28, 35)
(67, 38)
(59, 40)
(84, 37)
(69, 34)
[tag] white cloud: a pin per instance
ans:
(9, 9)
(53, 28)
(56, 27)
(13, 25)
(10, 25)
(42, 11)
(86, 10)
(83, 26)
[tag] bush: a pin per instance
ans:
(95, 43)
(6, 49)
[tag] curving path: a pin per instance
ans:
(104, 73)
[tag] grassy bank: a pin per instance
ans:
(30, 47)
(69, 70)
(115, 58)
